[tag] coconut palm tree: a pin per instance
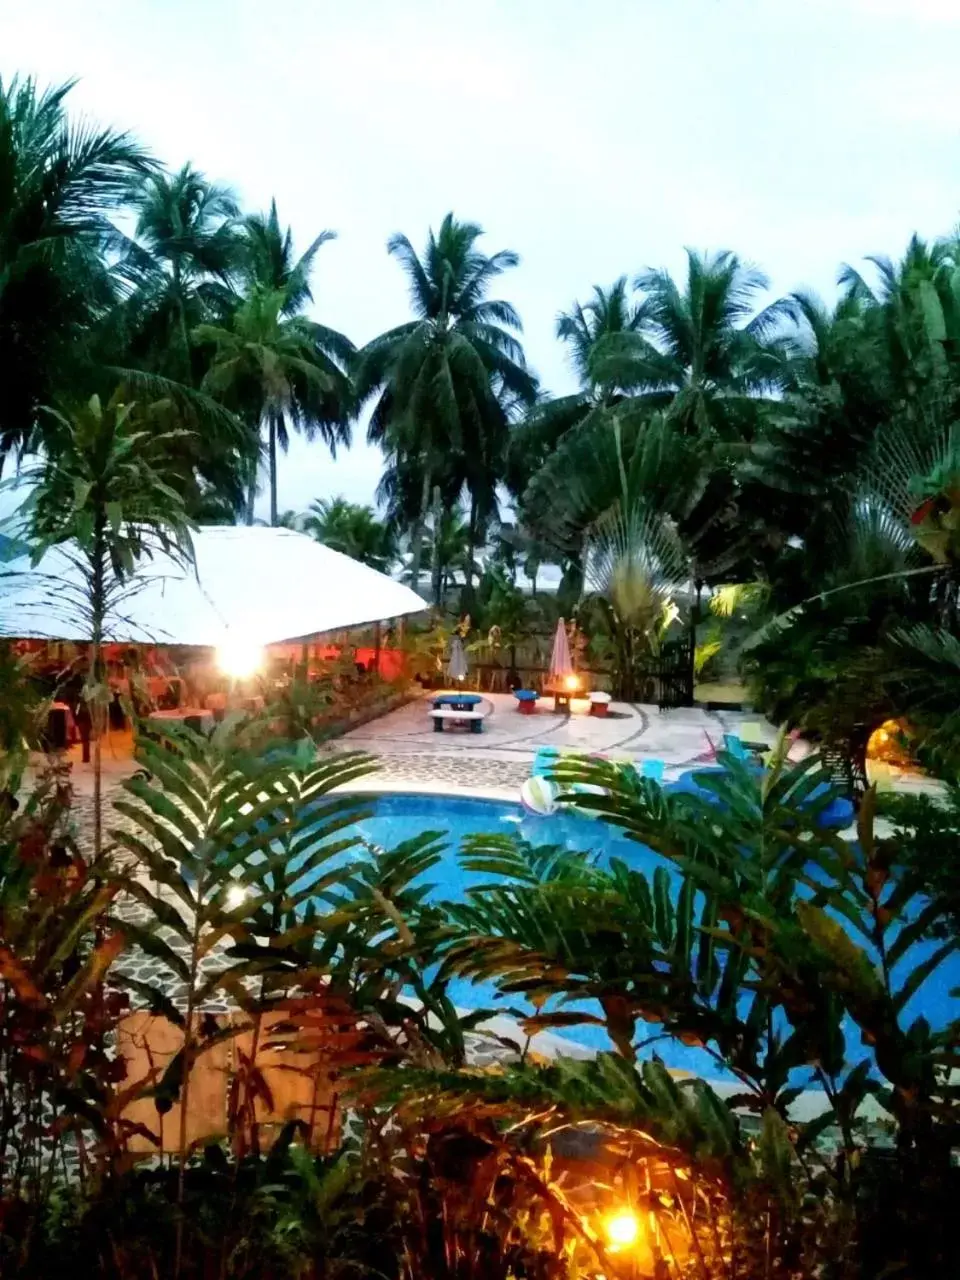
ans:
(352, 529)
(707, 352)
(836, 394)
(449, 550)
(266, 266)
(59, 184)
(275, 369)
(609, 312)
(185, 253)
(447, 383)
(267, 258)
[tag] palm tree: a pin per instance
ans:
(106, 489)
(449, 550)
(608, 312)
(275, 369)
(583, 328)
(707, 352)
(186, 252)
(448, 382)
(59, 183)
(267, 259)
(352, 529)
(796, 478)
(289, 519)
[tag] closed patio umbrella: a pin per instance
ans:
(457, 663)
(561, 664)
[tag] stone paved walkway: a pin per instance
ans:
(498, 760)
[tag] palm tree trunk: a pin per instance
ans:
(252, 481)
(251, 496)
(438, 568)
(416, 539)
(273, 468)
(471, 547)
(98, 591)
(182, 317)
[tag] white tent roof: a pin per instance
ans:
(254, 585)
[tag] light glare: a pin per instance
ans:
(236, 896)
(622, 1228)
(239, 658)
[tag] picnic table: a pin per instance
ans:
(457, 708)
(456, 701)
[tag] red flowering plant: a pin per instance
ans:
(61, 1080)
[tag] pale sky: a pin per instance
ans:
(595, 137)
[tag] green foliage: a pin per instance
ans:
(22, 714)
(705, 349)
(239, 842)
(354, 530)
(273, 368)
(809, 455)
(446, 383)
(268, 261)
(105, 497)
(60, 183)
(923, 844)
(503, 607)
(761, 938)
(787, 955)
(448, 551)
(186, 238)
(106, 487)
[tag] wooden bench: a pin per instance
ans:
(474, 719)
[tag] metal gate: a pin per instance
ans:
(675, 675)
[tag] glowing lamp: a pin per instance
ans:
(572, 683)
(622, 1228)
(239, 658)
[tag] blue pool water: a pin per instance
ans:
(399, 817)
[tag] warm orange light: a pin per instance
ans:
(239, 658)
(622, 1228)
(572, 682)
(889, 743)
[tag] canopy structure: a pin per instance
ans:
(249, 586)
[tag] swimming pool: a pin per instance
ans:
(397, 817)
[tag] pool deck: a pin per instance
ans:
(495, 763)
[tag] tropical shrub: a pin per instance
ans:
(789, 960)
